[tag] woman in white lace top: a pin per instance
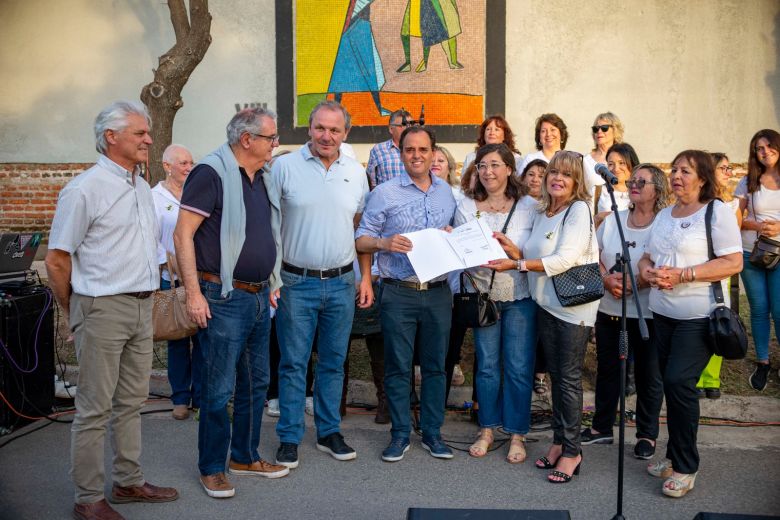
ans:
(508, 345)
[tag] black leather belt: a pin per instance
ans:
(142, 295)
(417, 286)
(250, 287)
(316, 273)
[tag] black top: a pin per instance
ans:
(202, 194)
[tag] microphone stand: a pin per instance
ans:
(624, 261)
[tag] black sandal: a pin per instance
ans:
(545, 463)
(561, 475)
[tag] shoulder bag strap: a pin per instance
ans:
(717, 289)
(590, 236)
(503, 231)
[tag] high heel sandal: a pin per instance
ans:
(483, 444)
(662, 468)
(563, 476)
(517, 452)
(546, 463)
(679, 485)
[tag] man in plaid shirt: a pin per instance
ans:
(384, 161)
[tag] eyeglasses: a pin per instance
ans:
(483, 167)
(273, 139)
(603, 128)
(726, 168)
(636, 183)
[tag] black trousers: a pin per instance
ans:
(564, 347)
(649, 384)
(683, 352)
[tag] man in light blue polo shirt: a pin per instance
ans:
(414, 200)
(317, 195)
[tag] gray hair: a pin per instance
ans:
(249, 120)
(168, 154)
(114, 117)
(617, 125)
(335, 106)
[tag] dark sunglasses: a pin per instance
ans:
(603, 128)
(638, 184)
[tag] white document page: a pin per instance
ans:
(436, 252)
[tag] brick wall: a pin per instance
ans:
(28, 193)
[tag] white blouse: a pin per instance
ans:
(605, 202)
(609, 240)
(767, 207)
(167, 208)
(682, 242)
(560, 248)
(508, 285)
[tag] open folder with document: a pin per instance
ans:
(436, 252)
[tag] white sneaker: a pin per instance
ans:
(273, 408)
(309, 409)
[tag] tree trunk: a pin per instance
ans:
(162, 96)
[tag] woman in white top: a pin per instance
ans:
(493, 130)
(709, 382)
(759, 193)
(553, 248)
(444, 167)
(550, 135)
(607, 130)
(677, 266)
(649, 191)
(506, 349)
(183, 365)
(621, 160)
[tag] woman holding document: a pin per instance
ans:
(510, 343)
(562, 238)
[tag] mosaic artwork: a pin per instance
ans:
(376, 56)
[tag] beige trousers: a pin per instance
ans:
(113, 336)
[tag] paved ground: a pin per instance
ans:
(740, 472)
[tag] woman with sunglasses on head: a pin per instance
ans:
(558, 242)
(621, 160)
(759, 194)
(550, 135)
(649, 192)
(709, 382)
(505, 349)
(678, 268)
(493, 130)
(607, 130)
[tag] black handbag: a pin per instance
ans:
(727, 332)
(477, 309)
(766, 252)
(582, 283)
(474, 309)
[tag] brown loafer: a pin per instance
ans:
(96, 511)
(145, 493)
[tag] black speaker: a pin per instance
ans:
(730, 516)
(419, 513)
(26, 355)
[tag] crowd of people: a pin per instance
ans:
(320, 241)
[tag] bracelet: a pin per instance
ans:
(693, 274)
(521, 266)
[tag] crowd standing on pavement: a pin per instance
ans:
(319, 241)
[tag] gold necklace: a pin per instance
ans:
(637, 226)
(499, 209)
(553, 212)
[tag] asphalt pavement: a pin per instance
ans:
(739, 473)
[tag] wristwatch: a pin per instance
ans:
(521, 266)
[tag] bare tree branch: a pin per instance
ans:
(181, 24)
(163, 95)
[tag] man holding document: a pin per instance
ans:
(413, 201)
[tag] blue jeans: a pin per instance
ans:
(306, 304)
(763, 293)
(407, 313)
(508, 346)
(234, 348)
(184, 367)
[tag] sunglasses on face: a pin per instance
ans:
(636, 183)
(603, 128)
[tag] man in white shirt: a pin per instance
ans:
(102, 268)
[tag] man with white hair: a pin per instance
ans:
(102, 268)
(226, 252)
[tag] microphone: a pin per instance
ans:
(607, 175)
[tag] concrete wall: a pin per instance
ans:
(699, 73)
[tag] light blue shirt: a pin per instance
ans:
(399, 206)
(315, 209)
